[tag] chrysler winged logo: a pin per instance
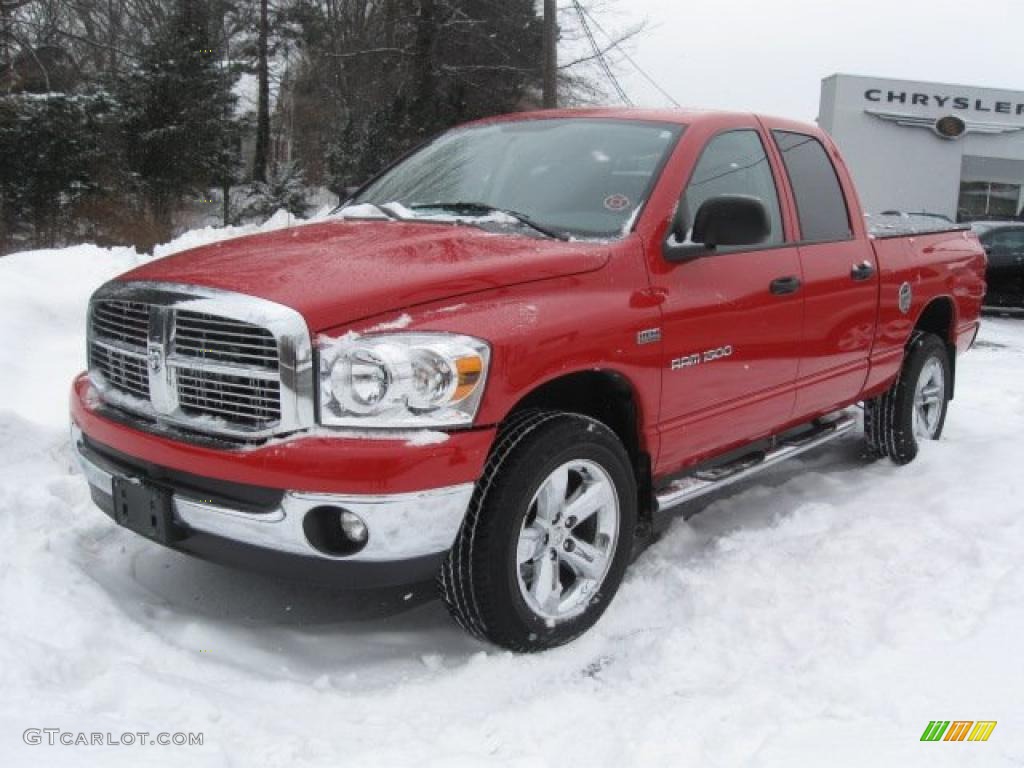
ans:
(156, 359)
(949, 127)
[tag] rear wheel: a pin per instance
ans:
(914, 408)
(548, 534)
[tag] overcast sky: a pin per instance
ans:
(770, 55)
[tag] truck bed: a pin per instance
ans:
(881, 226)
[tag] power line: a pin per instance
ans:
(625, 55)
(599, 54)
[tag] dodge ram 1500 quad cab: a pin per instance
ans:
(509, 359)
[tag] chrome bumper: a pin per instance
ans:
(401, 526)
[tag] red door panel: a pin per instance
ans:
(724, 302)
(841, 307)
(730, 345)
(839, 268)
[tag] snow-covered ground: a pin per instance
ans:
(820, 616)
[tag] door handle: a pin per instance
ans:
(862, 271)
(784, 285)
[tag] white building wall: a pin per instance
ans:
(911, 168)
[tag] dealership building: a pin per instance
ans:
(917, 146)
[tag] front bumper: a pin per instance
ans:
(247, 519)
(409, 533)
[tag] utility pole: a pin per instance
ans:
(550, 54)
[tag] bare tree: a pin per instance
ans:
(592, 57)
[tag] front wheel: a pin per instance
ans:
(548, 533)
(914, 408)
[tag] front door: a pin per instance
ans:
(732, 320)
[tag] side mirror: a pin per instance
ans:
(724, 220)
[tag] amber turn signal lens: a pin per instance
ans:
(469, 370)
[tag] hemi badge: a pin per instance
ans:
(648, 336)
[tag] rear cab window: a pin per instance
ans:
(820, 202)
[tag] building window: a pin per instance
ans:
(990, 199)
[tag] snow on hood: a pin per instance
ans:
(338, 271)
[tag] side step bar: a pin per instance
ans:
(705, 481)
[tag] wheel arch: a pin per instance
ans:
(608, 396)
(938, 317)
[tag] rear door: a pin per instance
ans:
(840, 276)
(732, 320)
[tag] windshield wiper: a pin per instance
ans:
(483, 209)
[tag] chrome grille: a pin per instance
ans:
(121, 369)
(206, 360)
(126, 322)
(224, 340)
(235, 398)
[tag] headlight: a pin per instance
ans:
(403, 380)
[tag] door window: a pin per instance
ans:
(820, 202)
(734, 163)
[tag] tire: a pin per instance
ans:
(500, 580)
(914, 408)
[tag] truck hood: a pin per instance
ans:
(339, 272)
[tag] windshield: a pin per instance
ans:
(577, 177)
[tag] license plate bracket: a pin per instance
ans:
(144, 508)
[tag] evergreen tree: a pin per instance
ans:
(56, 161)
(178, 124)
(285, 188)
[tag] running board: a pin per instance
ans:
(705, 481)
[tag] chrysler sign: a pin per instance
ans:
(946, 125)
(962, 103)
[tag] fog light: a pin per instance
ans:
(335, 531)
(353, 526)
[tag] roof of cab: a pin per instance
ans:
(678, 116)
(687, 116)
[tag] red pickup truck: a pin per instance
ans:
(510, 358)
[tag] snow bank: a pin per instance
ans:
(820, 616)
(44, 296)
(196, 237)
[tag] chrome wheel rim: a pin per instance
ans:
(567, 540)
(929, 399)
